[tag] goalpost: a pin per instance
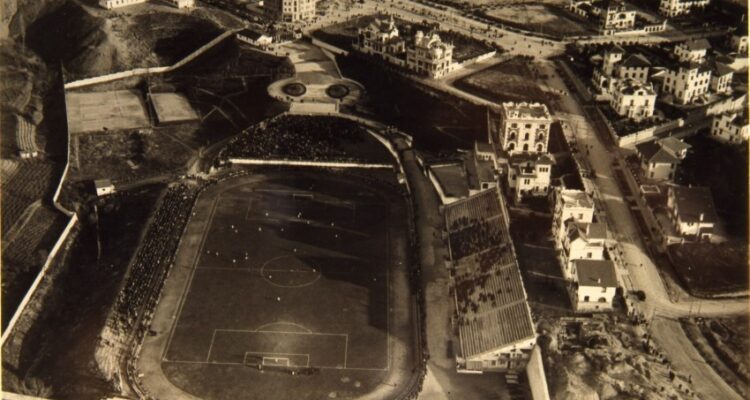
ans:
(275, 361)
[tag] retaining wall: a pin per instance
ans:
(303, 163)
(149, 70)
(333, 49)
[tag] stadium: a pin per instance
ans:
(286, 279)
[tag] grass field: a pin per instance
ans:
(539, 18)
(512, 80)
(293, 271)
(95, 111)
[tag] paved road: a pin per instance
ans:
(640, 272)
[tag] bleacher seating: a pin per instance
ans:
(156, 254)
(26, 138)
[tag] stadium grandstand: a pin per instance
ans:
(493, 320)
(26, 138)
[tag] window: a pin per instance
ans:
(528, 126)
(586, 299)
(589, 255)
(514, 125)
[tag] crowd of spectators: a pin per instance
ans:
(154, 258)
(473, 239)
(295, 137)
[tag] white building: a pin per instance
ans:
(103, 187)
(721, 78)
(529, 176)
(730, 127)
(582, 241)
(253, 38)
(111, 4)
(674, 8)
(290, 10)
(634, 99)
(570, 204)
(594, 285)
(616, 16)
(381, 37)
(525, 128)
(686, 82)
(660, 158)
(692, 51)
(616, 67)
(429, 55)
(692, 212)
(739, 43)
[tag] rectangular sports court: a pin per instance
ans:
(292, 274)
(98, 111)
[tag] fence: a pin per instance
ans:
(333, 49)
(303, 163)
(644, 135)
(149, 70)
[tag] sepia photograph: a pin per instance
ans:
(374, 200)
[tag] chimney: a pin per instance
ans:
(599, 280)
(700, 217)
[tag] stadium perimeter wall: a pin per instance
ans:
(72, 222)
(149, 70)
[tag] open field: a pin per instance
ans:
(512, 80)
(97, 111)
(172, 107)
(127, 155)
(711, 269)
(291, 273)
(539, 18)
(437, 121)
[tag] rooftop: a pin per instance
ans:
(636, 61)
(694, 45)
(253, 35)
(632, 86)
(452, 179)
(652, 152)
(599, 273)
(575, 198)
(526, 110)
(101, 183)
(674, 145)
(692, 202)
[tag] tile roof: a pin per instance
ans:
(674, 145)
(575, 198)
(636, 61)
(652, 152)
(452, 179)
(691, 202)
(253, 35)
(599, 273)
(700, 44)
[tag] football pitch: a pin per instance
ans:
(292, 273)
